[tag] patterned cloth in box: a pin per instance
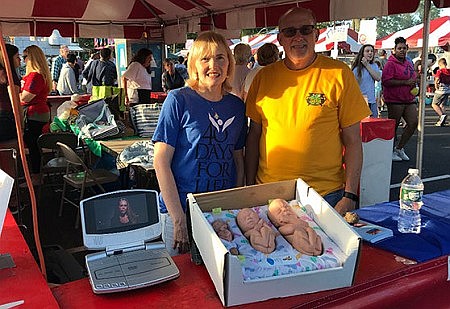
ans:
(285, 259)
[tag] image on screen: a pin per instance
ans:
(119, 212)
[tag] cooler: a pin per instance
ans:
(377, 136)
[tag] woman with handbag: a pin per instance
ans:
(37, 83)
(200, 136)
(135, 80)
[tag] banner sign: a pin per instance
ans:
(367, 32)
(336, 34)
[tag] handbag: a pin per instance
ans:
(96, 121)
(144, 118)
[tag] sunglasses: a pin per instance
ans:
(24, 57)
(292, 31)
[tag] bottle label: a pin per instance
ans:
(411, 195)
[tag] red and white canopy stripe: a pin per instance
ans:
(439, 35)
(129, 18)
(350, 45)
(256, 41)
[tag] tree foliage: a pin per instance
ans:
(86, 43)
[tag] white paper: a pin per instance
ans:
(6, 184)
(448, 268)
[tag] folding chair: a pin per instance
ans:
(78, 175)
(53, 164)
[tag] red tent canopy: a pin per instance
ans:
(130, 18)
(439, 35)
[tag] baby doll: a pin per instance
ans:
(260, 235)
(296, 231)
(223, 231)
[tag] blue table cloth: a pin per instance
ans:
(434, 239)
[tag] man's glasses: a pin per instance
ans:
(292, 31)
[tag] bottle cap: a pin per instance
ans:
(413, 171)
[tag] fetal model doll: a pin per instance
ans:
(223, 231)
(260, 235)
(296, 231)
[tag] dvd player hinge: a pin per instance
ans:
(116, 251)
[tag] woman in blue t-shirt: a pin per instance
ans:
(200, 136)
(367, 73)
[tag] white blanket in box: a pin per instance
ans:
(284, 260)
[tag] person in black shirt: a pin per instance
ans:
(101, 72)
(171, 78)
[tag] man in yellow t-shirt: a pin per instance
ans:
(305, 112)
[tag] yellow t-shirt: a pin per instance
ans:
(302, 113)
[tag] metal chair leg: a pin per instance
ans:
(77, 220)
(63, 196)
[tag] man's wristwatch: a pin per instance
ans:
(351, 196)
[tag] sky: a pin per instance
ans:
(445, 11)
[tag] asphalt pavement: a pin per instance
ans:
(435, 158)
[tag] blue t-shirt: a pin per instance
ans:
(367, 83)
(204, 134)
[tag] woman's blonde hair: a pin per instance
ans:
(36, 62)
(206, 44)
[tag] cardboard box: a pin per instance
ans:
(225, 269)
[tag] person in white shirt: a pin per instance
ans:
(135, 80)
(242, 54)
(67, 83)
(266, 54)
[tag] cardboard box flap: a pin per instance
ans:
(214, 258)
(244, 197)
(332, 223)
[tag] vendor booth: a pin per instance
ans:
(373, 275)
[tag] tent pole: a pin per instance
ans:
(423, 84)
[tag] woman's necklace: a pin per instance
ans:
(211, 99)
(214, 113)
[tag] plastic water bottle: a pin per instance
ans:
(411, 192)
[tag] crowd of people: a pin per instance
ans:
(301, 116)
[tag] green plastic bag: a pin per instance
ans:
(102, 92)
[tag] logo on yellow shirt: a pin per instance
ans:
(316, 99)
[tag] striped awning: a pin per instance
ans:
(169, 20)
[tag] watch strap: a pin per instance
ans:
(351, 196)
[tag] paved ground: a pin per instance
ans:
(436, 158)
(435, 172)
